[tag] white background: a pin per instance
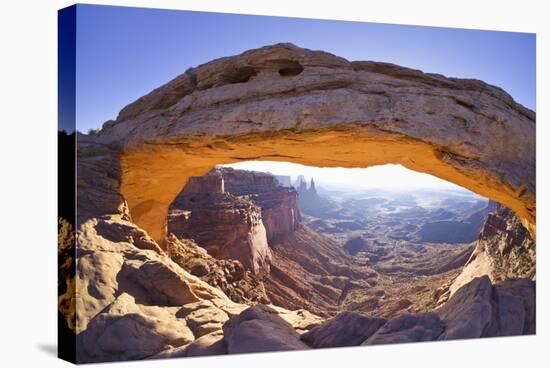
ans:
(28, 227)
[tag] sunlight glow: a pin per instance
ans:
(388, 176)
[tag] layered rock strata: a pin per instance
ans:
(279, 203)
(227, 226)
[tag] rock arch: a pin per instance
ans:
(286, 103)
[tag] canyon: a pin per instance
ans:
(182, 258)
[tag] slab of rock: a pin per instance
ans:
(210, 344)
(516, 302)
(231, 308)
(469, 312)
(408, 328)
(300, 320)
(164, 284)
(345, 329)
(119, 230)
(204, 319)
(480, 309)
(126, 331)
(260, 329)
(96, 284)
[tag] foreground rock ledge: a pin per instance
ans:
(287, 103)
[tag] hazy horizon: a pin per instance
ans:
(386, 177)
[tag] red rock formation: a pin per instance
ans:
(228, 227)
(308, 270)
(280, 212)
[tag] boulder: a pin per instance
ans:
(480, 309)
(469, 312)
(345, 329)
(126, 331)
(408, 328)
(210, 344)
(300, 320)
(516, 300)
(165, 285)
(260, 329)
(96, 284)
(203, 319)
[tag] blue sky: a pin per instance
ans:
(124, 53)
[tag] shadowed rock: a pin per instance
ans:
(408, 328)
(126, 331)
(480, 309)
(469, 312)
(260, 329)
(346, 329)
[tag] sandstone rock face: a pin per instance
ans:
(469, 312)
(346, 329)
(98, 179)
(126, 331)
(260, 329)
(300, 320)
(203, 317)
(106, 268)
(66, 274)
(227, 226)
(477, 309)
(210, 344)
(516, 301)
(134, 301)
(308, 269)
(279, 204)
(480, 309)
(504, 250)
(127, 291)
(283, 102)
(408, 328)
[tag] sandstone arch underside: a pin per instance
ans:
(286, 103)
